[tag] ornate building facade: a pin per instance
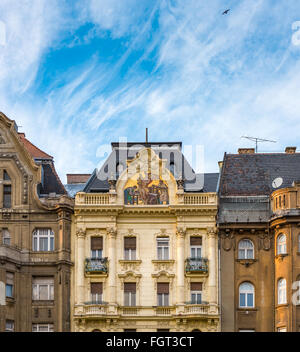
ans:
(144, 244)
(258, 224)
(35, 226)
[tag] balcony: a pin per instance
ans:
(196, 266)
(192, 308)
(92, 309)
(96, 265)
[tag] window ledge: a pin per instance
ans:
(282, 305)
(246, 262)
(281, 256)
(43, 302)
(245, 309)
(133, 261)
(10, 300)
(171, 261)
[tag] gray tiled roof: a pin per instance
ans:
(195, 181)
(253, 174)
(72, 189)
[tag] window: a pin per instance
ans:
(196, 247)
(9, 326)
(6, 176)
(130, 248)
(5, 237)
(7, 196)
(163, 294)
(196, 292)
(281, 244)
(96, 247)
(42, 327)
(282, 329)
(162, 248)
(43, 240)
(130, 294)
(9, 285)
(96, 292)
(43, 289)
(246, 249)
(246, 291)
(281, 291)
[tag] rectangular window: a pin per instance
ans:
(130, 248)
(196, 292)
(196, 247)
(163, 248)
(43, 240)
(42, 327)
(6, 196)
(9, 326)
(96, 292)
(9, 285)
(282, 329)
(43, 289)
(163, 294)
(5, 237)
(96, 247)
(130, 294)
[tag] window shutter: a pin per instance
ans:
(163, 287)
(196, 286)
(96, 243)
(130, 242)
(130, 287)
(196, 241)
(96, 288)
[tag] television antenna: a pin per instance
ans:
(258, 140)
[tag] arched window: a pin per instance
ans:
(246, 291)
(246, 249)
(281, 244)
(281, 291)
(5, 237)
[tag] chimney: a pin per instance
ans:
(290, 150)
(246, 150)
(77, 178)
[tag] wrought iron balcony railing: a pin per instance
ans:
(96, 265)
(196, 265)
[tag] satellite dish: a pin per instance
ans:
(277, 182)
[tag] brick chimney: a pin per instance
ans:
(290, 150)
(77, 178)
(246, 150)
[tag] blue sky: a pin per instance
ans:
(77, 75)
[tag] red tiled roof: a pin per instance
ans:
(77, 178)
(34, 151)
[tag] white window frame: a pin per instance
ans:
(163, 249)
(39, 282)
(197, 249)
(129, 254)
(38, 327)
(9, 328)
(246, 246)
(96, 253)
(97, 297)
(165, 299)
(129, 299)
(6, 238)
(38, 235)
(197, 294)
(281, 244)
(281, 291)
(250, 290)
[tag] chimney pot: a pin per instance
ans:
(290, 150)
(246, 150)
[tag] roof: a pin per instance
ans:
(33, 150)
(77, 178)
(169, 151)
(72, 189)
(51, 183)
(253, 174)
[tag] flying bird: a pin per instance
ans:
(225, 12)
